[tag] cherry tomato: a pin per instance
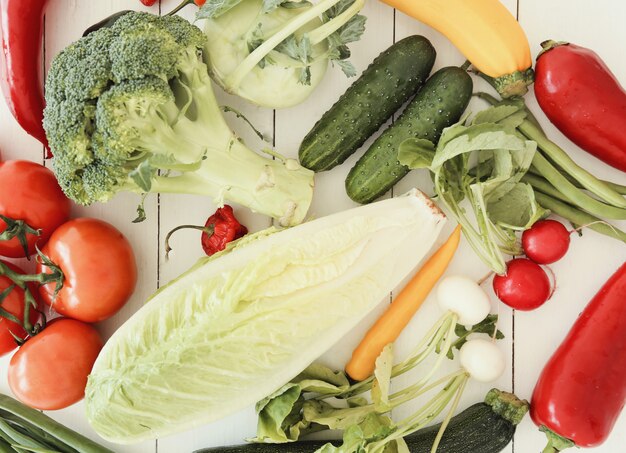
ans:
(99, 270)
(50, 370)
(525, 286)
(13, 303)
(29, 192)
(546, 241)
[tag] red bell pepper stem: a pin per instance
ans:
(20, 63)
(582, 390)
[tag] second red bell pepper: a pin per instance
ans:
(584, 99)
(20, 63)
(582, 389)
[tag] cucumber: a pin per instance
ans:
(482, 428)
(439, 104)
(392, 78)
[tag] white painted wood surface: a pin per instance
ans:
(530, 337)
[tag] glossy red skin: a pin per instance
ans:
(547, 241)
(525, 286)
(99, 269)
(14, 304)
(20, 64)
(30, 192)
(50, 370)
(226, 228)
(584, 100)
(582, 388)
(148, 2)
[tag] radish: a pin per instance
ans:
(525, 286)
(546, 241)
(482, 359)
(464, 297)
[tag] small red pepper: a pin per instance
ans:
(148, 2)
(220, 229)
(582, 389)
(580, 95)
(20, 63)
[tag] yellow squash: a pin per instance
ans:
(485, 32)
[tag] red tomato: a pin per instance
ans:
(99, 269)
(50, 370)
(30, 192)
(14, 304)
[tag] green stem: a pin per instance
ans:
(578, 217)
(179, 7)
(444, 424)
(324, 31)
(208, 230)
(234, 80)
(573, 194)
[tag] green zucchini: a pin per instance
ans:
(392, 78)
(482, 428)
(439, 104)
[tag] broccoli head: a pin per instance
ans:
(131, 108)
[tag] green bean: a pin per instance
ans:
(5, 447)
(41, 421)
(539, 183)
(573, 194)
(579, 217)
(19, 438)
(616, 187)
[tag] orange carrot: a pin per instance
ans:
(389, 326)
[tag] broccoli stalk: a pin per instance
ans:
(154, 125)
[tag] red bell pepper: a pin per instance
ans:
(220, 228)
(20, 63)
(582, 389)
(580, 95)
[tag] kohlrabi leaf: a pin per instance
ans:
(347, 67)
(352, 30)
(213, 9)
(416, 153)
(300, 50)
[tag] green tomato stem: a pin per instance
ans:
(234, 80)
(324, 31)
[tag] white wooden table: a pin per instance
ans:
(530, 337)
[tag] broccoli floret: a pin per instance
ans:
(131, 108)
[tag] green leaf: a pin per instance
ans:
(487, 326)
(295, 5)
(213, 9)
(320, 379)
(273, 411)
(416, 153)
(348, 68)
(270, 5)
(352, 30)
(382, 379)
(518, 209)
(486, 136)
(142, 176)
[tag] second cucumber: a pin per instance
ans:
(393, 77)
(439, 104)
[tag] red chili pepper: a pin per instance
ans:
(20, 63)
(580, 95)
(148, 2)
(582, 389)
(220, 229)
